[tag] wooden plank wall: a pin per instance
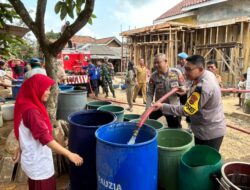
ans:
(172, 41)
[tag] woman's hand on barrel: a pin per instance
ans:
(75, 158)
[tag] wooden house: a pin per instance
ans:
(215, 29)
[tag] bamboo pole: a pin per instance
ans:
(226, 34)
(224, 60)
(176, 49)
(191, 42)
(170, 47)
(205, 36)
(217, 35)
(183, 41)
(241, 32)
(152, 57)
(211, 35)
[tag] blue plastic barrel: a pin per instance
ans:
(82, 140)
(122, 166)
(66, 88)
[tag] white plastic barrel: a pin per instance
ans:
(8, 111)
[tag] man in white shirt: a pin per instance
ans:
(35, 68)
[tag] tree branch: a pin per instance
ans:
(24, 14)
(70, 31)
(40, 12)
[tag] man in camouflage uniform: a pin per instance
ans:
(106, 77)
(160, 83)
(110, 66)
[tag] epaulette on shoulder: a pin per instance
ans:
(176, 70)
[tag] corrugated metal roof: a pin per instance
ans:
(14, 30)
(101, 51)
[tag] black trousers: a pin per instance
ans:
(95, 86)
(173, 121)
(214, 143)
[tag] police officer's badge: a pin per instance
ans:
(192, 104)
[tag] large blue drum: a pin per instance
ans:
(82, 141)
(126, 167)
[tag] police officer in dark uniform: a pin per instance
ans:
(161, 82)
(204, 105)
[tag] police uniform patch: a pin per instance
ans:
(174, 84)
(192, 104)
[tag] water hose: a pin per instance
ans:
(151, 109)
(146, 114)
(238, 129)
(234, 90)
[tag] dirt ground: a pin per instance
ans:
(235, 146)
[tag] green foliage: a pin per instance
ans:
(7, 15)
(6, 41)
(68, 7)
(52, 35)
(22, 51)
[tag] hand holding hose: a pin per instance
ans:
(152, 108)
(146, 114)
(157, 106)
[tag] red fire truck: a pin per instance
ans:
(74, 62)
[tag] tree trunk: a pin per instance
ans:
(51, 69)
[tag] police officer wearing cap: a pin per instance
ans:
(204, 105)
(182, 61)
(36, 68)
(161, 82)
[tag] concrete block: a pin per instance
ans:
(20, 177)
(6, 169)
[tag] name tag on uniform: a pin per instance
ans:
(192, 104)
(174, 84)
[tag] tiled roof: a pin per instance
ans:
(104, 40)
(177, 9)
(193, 2)
(89, 40)
(82, 39)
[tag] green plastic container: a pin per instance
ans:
(172, 144)
(96, 104)
(197, 166)
(150, 122)
(128, 117)
(117, 110)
